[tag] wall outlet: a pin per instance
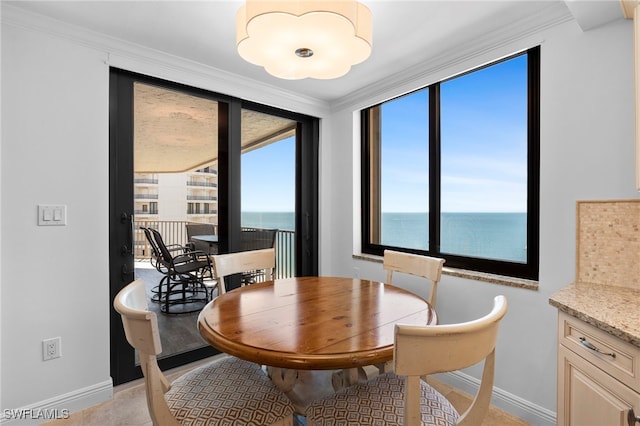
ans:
(51, 348)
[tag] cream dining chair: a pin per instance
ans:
(414, 264)
(223, 392)
(402, 398)
(242, 263)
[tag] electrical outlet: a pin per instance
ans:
(51, 348)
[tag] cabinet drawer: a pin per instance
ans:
(612, 355)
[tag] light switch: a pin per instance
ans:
(52, 215)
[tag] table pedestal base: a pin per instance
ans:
(304, 386)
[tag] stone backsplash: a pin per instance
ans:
(608, 243)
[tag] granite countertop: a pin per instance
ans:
(613, 309)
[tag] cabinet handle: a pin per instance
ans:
(632, 418)
(593, 347)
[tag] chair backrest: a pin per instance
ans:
(424, 350)
(244, 261)
(165, 254)
(257, 239)
(199, 229)
(155, 251)
(141, 329)
(140, 324)
(414, 264)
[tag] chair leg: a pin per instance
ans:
(185, 289)
(167, 295)
(157, 296)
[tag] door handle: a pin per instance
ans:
(632, 419)
(126, 218)
(125, 272)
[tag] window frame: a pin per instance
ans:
(370, 176)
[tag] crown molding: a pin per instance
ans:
(132, 57)
(432, 69)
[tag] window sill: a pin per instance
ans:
(471, 275)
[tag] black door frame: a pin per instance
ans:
(121, 193)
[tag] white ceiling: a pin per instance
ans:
(406, 33)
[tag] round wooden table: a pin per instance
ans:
(311, 323)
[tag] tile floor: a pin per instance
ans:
(129, 408)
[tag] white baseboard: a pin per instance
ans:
(512, 404)
(59, 406)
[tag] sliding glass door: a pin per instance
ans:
(181, 155)
(268, 183)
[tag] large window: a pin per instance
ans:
(452, 170)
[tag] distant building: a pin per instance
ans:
(174, 198)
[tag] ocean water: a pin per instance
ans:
(501, 236)
(270, 220)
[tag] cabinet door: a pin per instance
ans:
(589, 397)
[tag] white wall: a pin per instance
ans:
(587, 152)
(55, 150)
(54, 280)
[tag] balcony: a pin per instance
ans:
(175, 232)
(145, 196)
(207, 170)
(202, 198)
(202, 184)
(145, 180)
(145, 212)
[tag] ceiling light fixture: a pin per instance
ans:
(304, 39)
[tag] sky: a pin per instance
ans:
(268, 178)
(484, 149)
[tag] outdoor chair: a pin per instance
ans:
(228, 391)
(155, 251)
(184, 278)
(244, 262)
(155, 260)
(402, 397)
(256, 239)
(414, 264)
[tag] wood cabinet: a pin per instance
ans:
(598, 376)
